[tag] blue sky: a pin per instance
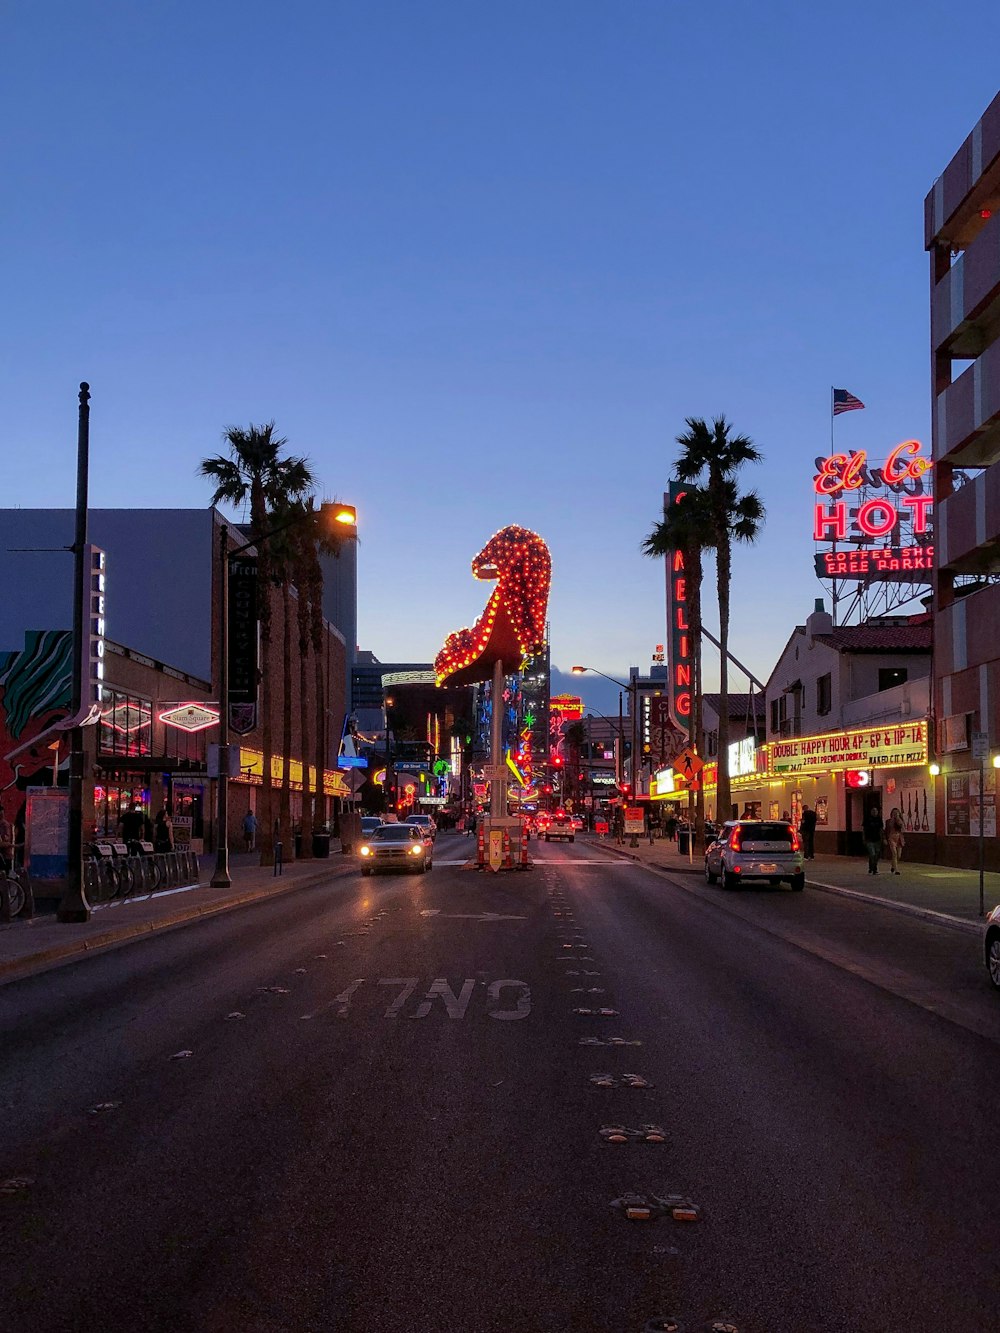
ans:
(479, 261)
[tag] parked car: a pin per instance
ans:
(560, 825)
(756, 849)
(991, 946)
(577, 822)
(396, 847)
(425, 822)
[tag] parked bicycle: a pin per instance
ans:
(15, 892)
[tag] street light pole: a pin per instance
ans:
(73, 906)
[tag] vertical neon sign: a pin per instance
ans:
(679, 651)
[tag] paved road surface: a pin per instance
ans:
(400, 1132)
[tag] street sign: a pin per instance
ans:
(354, 779)
(980, 746)
(495, 772)
(687, 764)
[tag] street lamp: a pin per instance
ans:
(330, 512)
(632, 687)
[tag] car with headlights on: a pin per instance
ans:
(991, 947)
(560, 825)
(396, 847)
(748, 849)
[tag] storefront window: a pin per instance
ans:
(126, 726)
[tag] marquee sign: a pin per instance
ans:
(680, 648)
(869, 747)
(866, 507)
(190, 717)
(567, 707)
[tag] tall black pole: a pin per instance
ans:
(221, 878)
(73, 906)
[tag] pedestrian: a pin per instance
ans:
(6, 843)
(472, 824)
(131, 825)
(163, 832)
(872, 831)
(894, 838)
(807, 830)
(249, 831)
(671, 828)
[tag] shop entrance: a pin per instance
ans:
(859, 802)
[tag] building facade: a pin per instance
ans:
(962, 235)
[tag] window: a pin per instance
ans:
(778, 713)
(890, 676)
(126, 726)
(824, 693)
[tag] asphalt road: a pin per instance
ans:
(387, 1122)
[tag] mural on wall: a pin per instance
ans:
(915, 803)
(35, 691)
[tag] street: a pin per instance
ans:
(368, 1105)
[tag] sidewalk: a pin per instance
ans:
(33, 946)
(937, 893)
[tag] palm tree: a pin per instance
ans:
(686, 527)
(715, 454)
(317, 536)
(283, 561)
(256, 472)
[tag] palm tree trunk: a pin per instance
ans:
(723, 557)
(302, 619)
(285, 802)
(265, 816)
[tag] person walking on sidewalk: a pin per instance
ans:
(249, 831)
(894, 838)
(807, 831)
(872, 832)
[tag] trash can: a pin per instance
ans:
(298, 845)
(684, 842)
(321, 844)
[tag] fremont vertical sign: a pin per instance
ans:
(680, 659)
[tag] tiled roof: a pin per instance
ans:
(739, 705)
(911, 638)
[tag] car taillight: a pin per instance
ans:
(737, 839)
(796, 840)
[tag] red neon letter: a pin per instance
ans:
(894, 471)
(920, 504)
(870, 525)
(682, 675)
(682, 702)
(836, 519)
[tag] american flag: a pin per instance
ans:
(845, 402)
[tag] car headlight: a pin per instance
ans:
(416, 849)
(366, 851)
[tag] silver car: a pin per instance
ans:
(396, 847)
(991, 946)
(745, 849)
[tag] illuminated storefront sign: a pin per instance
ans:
(252, 771)
(94, 622)
(743, 757)
(903, 564)
(568, 707)
(680, 651)
(190, 717)
(869, 747)
(862, 505)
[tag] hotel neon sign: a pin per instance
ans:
(908, 501)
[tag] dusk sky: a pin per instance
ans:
(479, 262)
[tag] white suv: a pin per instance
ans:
(756, 849)
(425, 823)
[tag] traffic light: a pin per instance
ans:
(557, 761)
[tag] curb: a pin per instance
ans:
(909, 909)
(17, 968)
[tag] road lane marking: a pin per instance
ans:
(455, 1005)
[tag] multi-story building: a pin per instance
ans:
(962, 234)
